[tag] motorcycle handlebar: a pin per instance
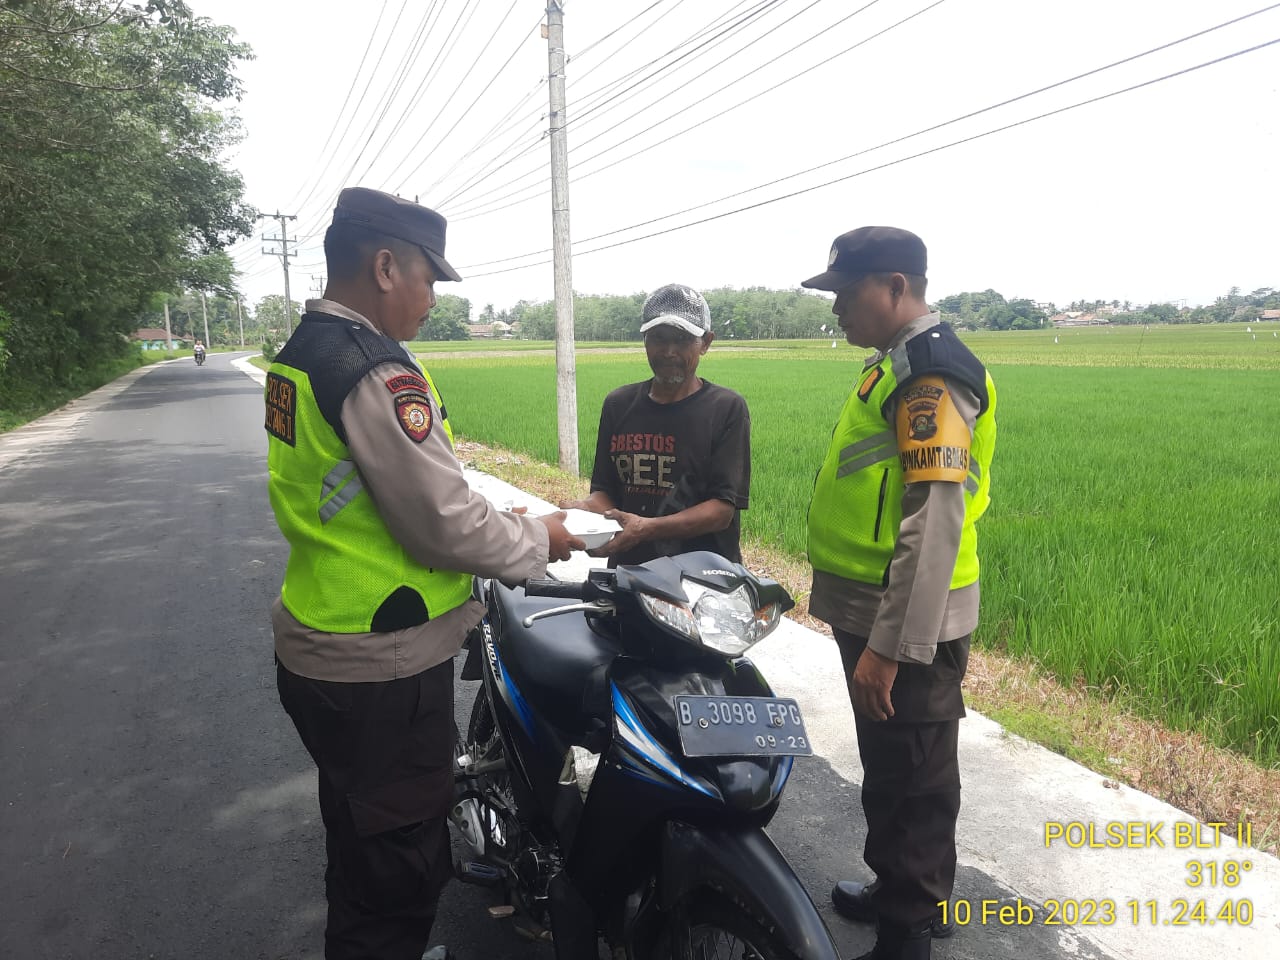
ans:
(564, 589)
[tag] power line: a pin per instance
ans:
(398, 76)
(411, 54)
(455, 33)
(490, 134)
(354, 80)
(758, 6)
(497, 128)
(741, 24)
(496, 131)
(480, 176)
(891, 163)
(475, 212)
(889, 143)
(466, 110)
(591, 46)
(701, 49)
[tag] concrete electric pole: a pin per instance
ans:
(168, 333)
(204, 311)
(566, 363)
(283, 254)
(240, 319)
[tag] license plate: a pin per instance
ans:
(740, 727)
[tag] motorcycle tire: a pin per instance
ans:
(717, 927)
(480, 731)
(480, 726)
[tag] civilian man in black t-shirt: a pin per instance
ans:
(673, 456)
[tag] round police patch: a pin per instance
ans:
(414, 413)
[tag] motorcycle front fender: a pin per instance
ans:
(744, 865)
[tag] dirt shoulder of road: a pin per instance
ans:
(1183, 769)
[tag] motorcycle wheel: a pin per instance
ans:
(481, 731)
(718, 929)
(480, 727)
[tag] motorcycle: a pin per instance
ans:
(622, 759)
(199, 354)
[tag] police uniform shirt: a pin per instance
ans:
(425, 501)
(906, 620)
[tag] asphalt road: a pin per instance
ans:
(154, 799)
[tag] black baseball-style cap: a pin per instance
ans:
(870, 250)
(393, 217)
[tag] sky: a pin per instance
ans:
(1163, 193)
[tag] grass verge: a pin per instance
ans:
(22, 405)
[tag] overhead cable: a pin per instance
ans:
(891, 163)
(576, 121)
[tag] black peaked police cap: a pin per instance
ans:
(870, 250)
(393, 217)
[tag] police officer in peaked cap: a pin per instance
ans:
(894, 548)
(384, 537)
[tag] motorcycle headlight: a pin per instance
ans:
(728, 623)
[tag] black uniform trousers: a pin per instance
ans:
(384, 752)
(911, 782)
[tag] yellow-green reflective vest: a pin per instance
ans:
(856, 508)
(346, 572)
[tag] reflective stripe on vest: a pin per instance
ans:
(334, 494)
(880, 447)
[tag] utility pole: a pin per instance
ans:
(566, 363)
(168, 333)
(283, 254)
(205, 311)
(241, 321)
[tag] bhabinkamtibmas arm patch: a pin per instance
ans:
(282, 408)
(933, 439)
(411, 397)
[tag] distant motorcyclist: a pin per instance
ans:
(199, 352)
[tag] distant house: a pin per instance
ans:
(1074, 318)
(154, 338)
(488, 330)
(1269, 315)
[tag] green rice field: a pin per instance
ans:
(1133, 541)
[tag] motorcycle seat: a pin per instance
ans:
(551, 662)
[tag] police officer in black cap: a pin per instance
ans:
(384, 536)
(893, 545)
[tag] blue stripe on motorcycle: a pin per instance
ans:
(634, 735)
(523, 713)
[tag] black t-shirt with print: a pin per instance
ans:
(655, 459)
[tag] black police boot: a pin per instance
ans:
(900, 943)
(852, 900)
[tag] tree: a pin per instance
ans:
(1026, 315)
(111, 183)
(448, 319)
(537, 320)
(270, 317)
